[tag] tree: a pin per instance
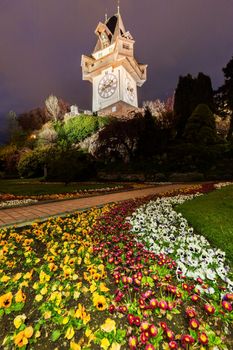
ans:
(200, 127)
(47, 134)
(225, 92)
(189, 93)
(32, 120)
(119, 139)
(52, 107)
(161, 111)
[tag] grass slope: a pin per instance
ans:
(212, 216)
(30, 187)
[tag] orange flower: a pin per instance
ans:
(22, 337)
(5, 300)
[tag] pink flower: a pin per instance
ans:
(144, 326)
(133, 343)
(153, 303)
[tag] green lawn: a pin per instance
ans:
(212, 216)
(29, 187)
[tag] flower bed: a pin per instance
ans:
(8, 200)
(85, 282)
(17, 203)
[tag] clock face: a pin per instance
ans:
(107, 85)
(130, 92)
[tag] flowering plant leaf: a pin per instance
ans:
(55, 335)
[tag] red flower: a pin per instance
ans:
(149, 347)
(194, 324)
(170, 334)
(163, 305)
(190, 312)
(209, 308)
(130, 319)
(195, 297)
(229, 296)
(137, 321)
(187, 339)
(226, 305)
(153, 331)
(144, 337)
(111, 308)
(173, 345)
(203, 339)
(163, 325)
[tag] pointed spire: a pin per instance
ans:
(106, 16)
(118, 7)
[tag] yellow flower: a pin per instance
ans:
(17, 276)
(65, 320)
(20, 297)
(38, 297)
(93, 287)
(104, 344)
(44, 277)
(115, 346)
(75, 346)
(5, 300)
(69, 333)
(19, 320)
(47, 315)
(28, 275)
(99, 302)
(5, 278)
(103, 288)
(81, 313)
(109, 325)
(44, 291)
(28, 332)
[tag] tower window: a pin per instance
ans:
(126, 47)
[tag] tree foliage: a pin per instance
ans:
(200, 127)
(189, 93)
(225, 95)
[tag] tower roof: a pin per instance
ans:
(115, 25)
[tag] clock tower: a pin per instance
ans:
(113, 70)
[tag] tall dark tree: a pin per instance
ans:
(191, 92)
(200, 128)
(225, 93)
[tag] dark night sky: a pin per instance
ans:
(41, 42)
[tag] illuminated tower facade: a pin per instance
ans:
(113, 70)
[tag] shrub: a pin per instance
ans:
(70, 165)
(32, 164)
(79, 128)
